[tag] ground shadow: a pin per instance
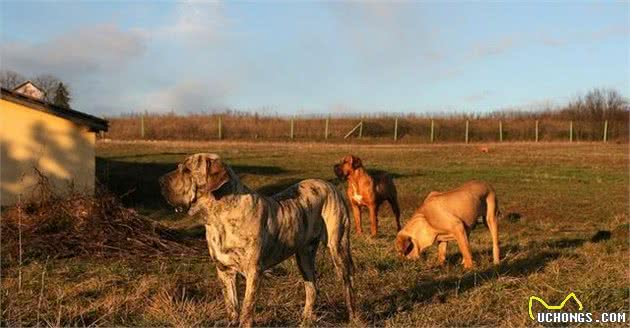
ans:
(439, 290)
(137, 182)
(395, 175)
(274, 188)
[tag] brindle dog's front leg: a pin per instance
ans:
(230, 295)
(249, 301)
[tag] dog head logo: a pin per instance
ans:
(552, 307)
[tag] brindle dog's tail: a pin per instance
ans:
(337, 220)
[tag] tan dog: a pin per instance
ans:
(248, 233)
(367, 190)
(451, 215)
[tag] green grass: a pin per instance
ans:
(553, 197)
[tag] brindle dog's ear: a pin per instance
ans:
(216, 174)
(356, 162)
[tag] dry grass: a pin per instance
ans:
(48, 225)
(554, 199)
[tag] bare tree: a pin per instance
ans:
(10, 79)
(48, 83)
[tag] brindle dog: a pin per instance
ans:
(369, 190)
(247, 233)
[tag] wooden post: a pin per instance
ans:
(605, 130)
(432, 131)
(361, 129)
(571, 131)
(396, 129)
(291, 135)
(500, 131)
(326, 129)
(467, 123)
(142, 126)
(220, 126)
(536, 130)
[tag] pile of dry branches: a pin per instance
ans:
(49, 225)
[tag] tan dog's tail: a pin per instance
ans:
(492, 212)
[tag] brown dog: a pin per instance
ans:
(451, 215)
(369, 190)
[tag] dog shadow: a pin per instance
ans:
(439, 290)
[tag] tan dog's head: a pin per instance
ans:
(347, 165)
(411, 247)
(197, 175)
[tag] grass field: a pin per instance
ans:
(553, 197)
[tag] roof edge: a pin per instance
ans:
(95, 124)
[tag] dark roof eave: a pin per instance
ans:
(94, 123)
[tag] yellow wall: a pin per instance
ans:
(62, 150)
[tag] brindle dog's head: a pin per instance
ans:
(197, 175)
(347, 165)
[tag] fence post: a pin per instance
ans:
(571, 131)
(291, 135)
(536, 130)
(326, 129)
(500, 131)
(142, 126)
(396, 129)
(361, 129)
(220, 127)
(605, 130)
(467, 123)
(432, 131)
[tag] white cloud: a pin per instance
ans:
(188, 96)
(195, 22)
(92, 49)
(478, 97)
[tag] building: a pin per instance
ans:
(38, 136)
(29, 88)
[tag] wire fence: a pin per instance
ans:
(380, 129)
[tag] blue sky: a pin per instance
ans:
(319, 57)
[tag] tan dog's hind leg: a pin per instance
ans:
(356, 213)
(306, 263)
(230, 296)
(442, 252)
(462, 242)
(493, 225)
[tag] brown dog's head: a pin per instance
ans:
(347, 165)
(197, 175)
